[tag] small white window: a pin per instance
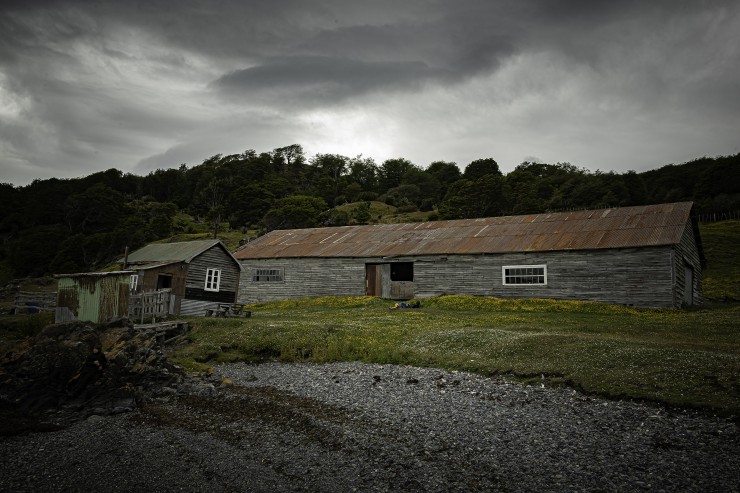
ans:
(134, 282)
(213, 279)
(524, 275)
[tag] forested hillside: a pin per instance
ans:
(57, 226)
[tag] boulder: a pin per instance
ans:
(44, 384)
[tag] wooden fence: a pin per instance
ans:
(150, 305)
(718, 216)
(35, 301)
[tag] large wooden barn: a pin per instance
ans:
(201, 274)
(647, 256)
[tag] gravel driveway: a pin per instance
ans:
(357, 427)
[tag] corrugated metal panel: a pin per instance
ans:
(625, 227)
(183, 251)
(195, 308)
(94, 296)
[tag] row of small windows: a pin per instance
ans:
(511, 275)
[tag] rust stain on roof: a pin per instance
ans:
(625, 227)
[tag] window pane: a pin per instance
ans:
(524, 275)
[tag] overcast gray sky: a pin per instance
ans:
(143, 84)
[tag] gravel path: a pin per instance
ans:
(356, 427)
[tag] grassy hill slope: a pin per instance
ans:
(721, 278)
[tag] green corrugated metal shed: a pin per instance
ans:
(93, 296)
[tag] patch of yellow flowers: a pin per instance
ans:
(464, 302)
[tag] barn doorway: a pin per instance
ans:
(373, 280)
(393, 280)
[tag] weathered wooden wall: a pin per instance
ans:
(188, 281)
(686, 253)
(213, 258)
(635, 276)
(178, 271)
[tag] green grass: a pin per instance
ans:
(682, 358)
(15, 327)
(721, 278)
(382, 213)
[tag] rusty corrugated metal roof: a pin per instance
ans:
(624, 227)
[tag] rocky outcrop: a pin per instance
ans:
(45, 382)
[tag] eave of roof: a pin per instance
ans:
(626, 227)
(183, 251)
(96, 274)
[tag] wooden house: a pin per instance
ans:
(201, 274)
(643, 256)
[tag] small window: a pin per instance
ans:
(213, 279)
(134, 282)
(523, 275)
(402, 271)
(267, 275)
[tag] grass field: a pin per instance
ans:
(721, 278)
(682, 358)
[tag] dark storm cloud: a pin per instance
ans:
(321, 80)
(88, 85)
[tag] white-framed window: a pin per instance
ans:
(134, 282)
(523, 275)
(267, 275)
(213, 279)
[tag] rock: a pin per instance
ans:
(45, 376)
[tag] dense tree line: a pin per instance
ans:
(80, 224)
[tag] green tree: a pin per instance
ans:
(404, 195)
(296, 211)
(248, 205)
(481, 167)
(484, 197)
(364, 172)
(361, 213)
(334, 217)
(28, 253)
(446, 174)
(97, 209)
(391, 173)
(522, 192)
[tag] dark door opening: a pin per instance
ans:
(164, 281)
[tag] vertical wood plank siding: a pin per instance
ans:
(686, 253)
(178, 272)
(634, 276)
